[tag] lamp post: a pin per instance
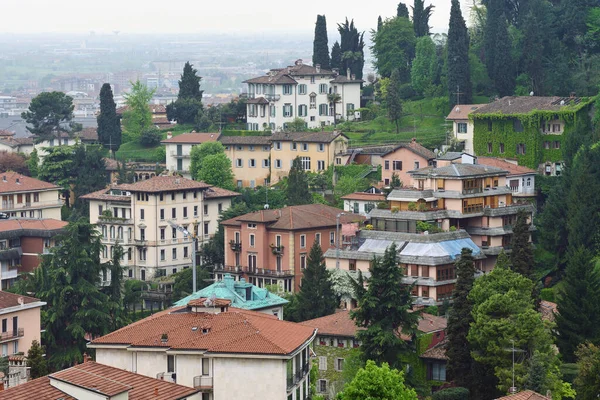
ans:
(337, 240)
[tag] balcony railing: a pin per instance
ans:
(179, 155)
(227, 268)
(272, 97)
(10, 205)
(267, 272)
(115, 220)
(235, 246)
(11, 335)
(203, 382)
(277, 250)
(472, 190)
(294, 379)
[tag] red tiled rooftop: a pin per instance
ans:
(513, 169)
(12, 300)
(163, 184)
(462, 111)
(7, 225)
(525, 395)
(193, 138)
(9, 184)
(204, 302)
(365, 196)
(216, 192)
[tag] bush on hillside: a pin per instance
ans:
(457, 393)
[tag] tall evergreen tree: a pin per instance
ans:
(320, 45)
(33, 164)
(384, 310)
(38, 366)
(109, 124)
(297, 185)
(188, 105)
(578, 318)
(189, 84)
(50, 116)
(394, 104)
(458, 350)
(459, 74)
(114, 290)
(379, 23)
(402, 10)
(352, 49)
(316, 297)
(421, 16)
(336, 56)
(503, 75)
(521, 257)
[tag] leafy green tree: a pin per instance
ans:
(316, 297)
(151, 137)
(67, 280)
(298, 124)
(138, 117)
(184, 280)
(521, 257)
(455, 393)
(216, 170)
(199, 153)
(109, 124)
(424, 69)
(394, 47)
(402, 11)
(186, 111)
(351, 49)
(58, 168)
(33, 164)
(13, 162)
(580, 296)
(132, 293)
(373, 382)
(587, 382)
(336, 56)
(459, 74)
(393, 102)
(320, 46)
(297, 185)
(124, 173)
(421, 16)
(460, 363)
(50, 115)
(38, 366)
(384, 310)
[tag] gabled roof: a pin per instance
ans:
(451, 156)
(364, 196)
(513, 169)
(459, 171)
(100, 379)
(307, 137)
(235, 331)
(527, 104)
(88, 134)
(13, 182)
(524, 395)
(193, 138)
(8, 300)
(215, 192)
(344, 79)
(32, 227)
(163, 184)
(437, 352)
(258, 100)
(286, 75)
(251, 140)
(415, 147)
(307, 216)
(462, 111)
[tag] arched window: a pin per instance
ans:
(104, 231)
(120, 232)
(112, 232)
(104, 252)
(129, 254)
(130, 235)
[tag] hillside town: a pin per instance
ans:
(409, 215)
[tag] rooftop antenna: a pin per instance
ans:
(458, 93)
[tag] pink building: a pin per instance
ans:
(19, 323)
(403, 158)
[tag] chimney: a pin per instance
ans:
(169, 135)
(229, 282)
(348, 73)
(156, 392)
(318, 68)
(86, 358)
(353, 77)
(4, 178)
(336, 71)
(572, 95)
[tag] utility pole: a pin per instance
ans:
(458, 93)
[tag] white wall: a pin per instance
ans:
(188, 366)
(118, 358)
(249, 379)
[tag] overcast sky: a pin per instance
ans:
(196, 16)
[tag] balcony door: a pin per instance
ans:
(15, 326)
(252, 262)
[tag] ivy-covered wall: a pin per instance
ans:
(531, 136)
(333, 377)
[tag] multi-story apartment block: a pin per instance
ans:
(462, 126)
(402, 158)
(20, 323)
(144, 217)
(520, 180)
(26, 197)
(209, 346)
(22, 242)
(179, 148)
(300, 91)
(250, 159)
(529, 129)
(271, 246)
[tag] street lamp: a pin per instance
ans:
(194, 244)
(337, 240)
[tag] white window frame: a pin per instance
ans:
(239, 163)
(302, 89)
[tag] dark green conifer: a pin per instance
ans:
(459, 74)
(320, 46)
(109, 124)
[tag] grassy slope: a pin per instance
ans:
(136, 152)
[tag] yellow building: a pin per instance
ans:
(250, 159)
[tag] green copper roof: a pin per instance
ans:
(241, 293)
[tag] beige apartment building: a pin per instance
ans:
(144, 217)
(250, 159)
(179, 149)
(26, 197)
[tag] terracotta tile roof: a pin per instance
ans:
(12, 300)
(513, 169)
(193, 138)
(259, 100)
(256, 140)
(4, 132)
(365, 196)
(462, 111)
(43, 225)
(286, 75)
(8, 183)
(437, 352)
(297, 217)
(88, 134)
(234, 331)
(215, 192)
(113, 165)
(548, 310)
(101, 379)
(310, 137)
(525, 105)
(525, 395)
(24, 141)
(105, 195)
(415, 147)
(163, 184)
(161, 121)
(204, 302)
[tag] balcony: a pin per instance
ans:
(267, 272)
(272, 97)
(227, 268)
(277, 250)
(203, 382)
(114, 220)
(9, 273)
(177, 154)
(297, 377)
(9, 205)
(12, 335)
(235, 246)
(476, 190)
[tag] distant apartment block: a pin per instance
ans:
(300, 91)
(25, 197)
(179, 148)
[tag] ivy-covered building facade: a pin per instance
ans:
(529, 129)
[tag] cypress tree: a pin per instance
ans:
(521, 257)
(494, 12)
(384, 310)
(402, 10)
(336, 56)
(316, 297)
(459, 74)
(297, 192)
(421, 15)
(320, 46)
(352, 46)
(36, 361)
(394, 104)
(460, 362)
(189, 85)
(188, 105)
(33, 164)
(109, 125)
(379, 23)
(578, 318)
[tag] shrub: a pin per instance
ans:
(422, 207)
(547, 294)
(406, 91)
(383, 205)
(452, 229)
(412, 206)
(395, 209)
(150, 138)
(457, 393)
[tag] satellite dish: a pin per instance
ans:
(562, 102)
(266, 206)
(531, 93)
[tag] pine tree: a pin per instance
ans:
(297, 185)
(38, 366)
(189, 84)
(458, 351)
(50, 115)
(336, 56)
(402, 10)
(394, 104)
(114, 290)
(351, 49)
(578, 318)
(316, 297)
(109, 125)
(33, 164)
(521, 257)
(384, 310)
(421, 16)
(459, 75)
(320, 46)
(379, 23)
(188, 105)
